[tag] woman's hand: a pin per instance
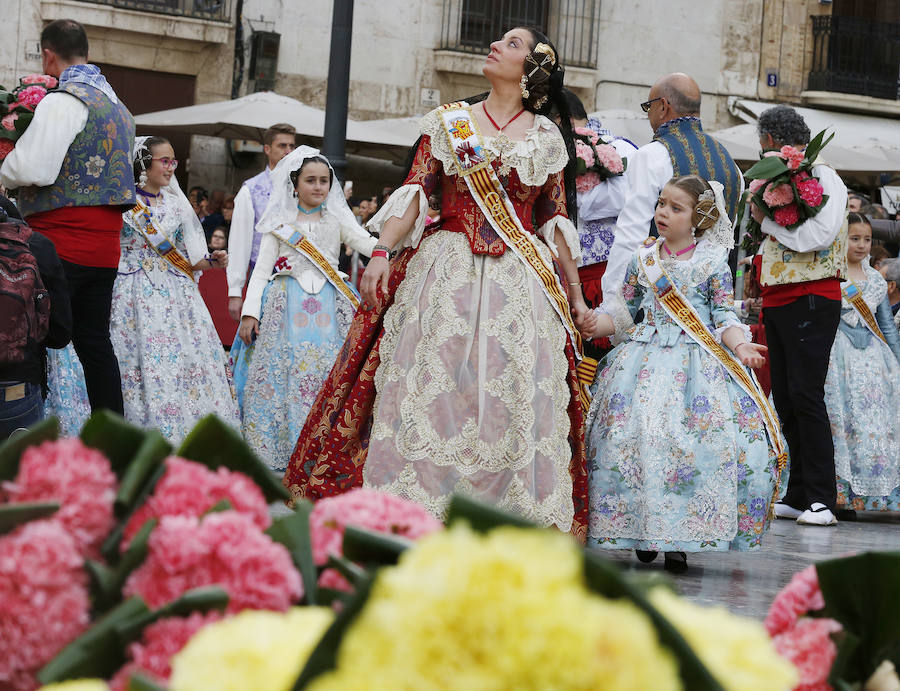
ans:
(249, 329)
(219, 258)
(587, 324)
(374, 283)
(751, 354)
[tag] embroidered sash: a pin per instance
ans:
(853, 295)
(142, 220)
(301, 243)
(683, 313)
(473, 164)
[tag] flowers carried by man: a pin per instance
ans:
(783, 187)
(595, 160)
(17, 108)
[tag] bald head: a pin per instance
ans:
(681, 91)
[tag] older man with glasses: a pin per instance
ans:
(679, 147)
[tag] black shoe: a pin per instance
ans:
(676, 562)
(645, 556)
(845, 514)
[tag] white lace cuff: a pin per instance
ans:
(615, 307)
(395, 207)
(722, 329)
(569, 232)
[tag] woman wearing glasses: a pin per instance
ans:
(173, 367)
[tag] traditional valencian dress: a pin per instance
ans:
(679, 453)
(67, 397)
(464, 381)
(862, 394)
(173, 367)
(304, 310)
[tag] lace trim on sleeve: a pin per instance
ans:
(618, 311)
(569, 232)
(743, 327)
(395, 207)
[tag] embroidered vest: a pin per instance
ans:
(260, 187)
(693, 152)
(782, 265)
(97, 169)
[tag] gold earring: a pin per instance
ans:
(523, 85)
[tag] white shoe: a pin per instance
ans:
(783, 510)
(817, 514)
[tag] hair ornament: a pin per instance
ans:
(706, 213)
(523, 85)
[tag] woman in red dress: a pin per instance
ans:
(458, 374)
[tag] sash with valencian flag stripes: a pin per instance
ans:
(299, 242)
(854, 297)
(142, 220)
(473, 164)
(683, 313)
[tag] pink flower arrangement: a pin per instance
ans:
(589, 133)
(30, 96)
(756, 185)
(787, 216)
(810, 191)
(79, 478)
(6, 145)
(791, 156)
(44, 80)
(44, 601)
(596, 161)
(9, 121)
(587, 181)
(778, 195)
(190, 489)
(609, 158)
(227, 549)
(585, 152)
(161, 641)
(798, 597)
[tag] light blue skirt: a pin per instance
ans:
(67, 397)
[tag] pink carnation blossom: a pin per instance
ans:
(792, 157)
(778, 195)
(810, 192)
(190, 489)
(226, 549)
(799, 176)
(609, 158)
(365, 508)
(160, 642)
(6, 146)
(587, 132)
(30, 96)
(787, 216)
(9, 121)
(756, 185)
(798, 597)
(332, 578)
(43, 79)
(587, 181)
(79, 478)
(808, 646)
(584, 152)
(44, 602)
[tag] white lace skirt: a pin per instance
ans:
(472, 394)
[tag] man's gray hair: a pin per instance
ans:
(785, 125)
(892, 270)
(681, 102)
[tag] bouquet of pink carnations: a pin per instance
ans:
(17, 108)
(595, 160)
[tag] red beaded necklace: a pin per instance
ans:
(494, 122)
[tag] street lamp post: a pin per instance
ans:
(334, 141)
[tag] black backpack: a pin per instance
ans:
(24, 301)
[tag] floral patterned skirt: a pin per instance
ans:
(281, 373)
(174, 370)
(862, 395)
(678, 456)
(67, 397)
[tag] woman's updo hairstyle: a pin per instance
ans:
(143, 158)
(705, 213)
(295, 174)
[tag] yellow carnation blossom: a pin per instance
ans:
(737, 651)
(259, 650)
(507, 610)
(77, 685)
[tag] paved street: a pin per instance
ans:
(745, 583)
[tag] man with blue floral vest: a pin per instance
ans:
(72, 169)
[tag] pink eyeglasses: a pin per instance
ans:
(167, 162)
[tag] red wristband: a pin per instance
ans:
(380, 253)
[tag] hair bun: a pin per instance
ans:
(705, 215)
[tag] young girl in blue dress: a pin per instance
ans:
(862, 388)
(679, 453)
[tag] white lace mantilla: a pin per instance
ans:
(539, 155)
(873, 289)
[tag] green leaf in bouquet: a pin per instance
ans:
(766, 169)
(97, 652)
(219, 507)
(292, 531)
(110, 546)
(215, 444)
(354, 573)
(328, 596)
(481, 517)
(106, 581)
(372, 548)
(140, 682)
(324, 656)
(861, 593)
(815, 146)
(847, 646)
(12, 449)
(14, 515)
(22, 122)
(203, 600)
(117, 439)
(148, 456)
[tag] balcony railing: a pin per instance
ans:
(573, 25)
(852, 55)
(213, 10)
